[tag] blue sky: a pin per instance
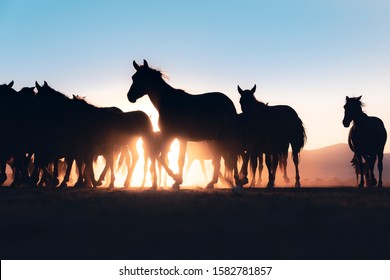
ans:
(307, 54)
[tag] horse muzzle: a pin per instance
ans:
(346, 123)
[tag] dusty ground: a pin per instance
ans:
(310, 223)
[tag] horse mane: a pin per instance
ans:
(165, 78)
(83, 100)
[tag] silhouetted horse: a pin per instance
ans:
(367, 139)
(7, 103)
(270, 130)
(209, 116)
(15, 114)
(106, 129)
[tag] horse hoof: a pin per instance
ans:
(244, 181)
(126, 185)
(210, 186)
(176, 186)
(270, 185)
(111, 186)
(178, 179)
(154, 187)
(380, 185)
(297, 185)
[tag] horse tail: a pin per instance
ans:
(299, 137)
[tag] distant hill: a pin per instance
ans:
(330, 166)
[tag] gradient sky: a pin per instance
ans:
(306, 54)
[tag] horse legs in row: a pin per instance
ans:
(131, 157)
(162, 159)
(216, 161)
(150, 152)
(256, 158)
(272, 165)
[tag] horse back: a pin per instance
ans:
(197, 117)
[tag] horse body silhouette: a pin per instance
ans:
(15, 112)
(80, 131)
(367, 139)
(270, 130)
(208, 116)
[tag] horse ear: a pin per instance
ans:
(360, 97)
(45, 84)
(37, 85)
(240, 91)
(146, 63)
(136, 66)
(253, 89)
(346, 98)
(11, 84)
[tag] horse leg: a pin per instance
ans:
(134, 160)
(275, 163)
(216, 159)
(127, 158)
(261, 166)
(146, 164)
(80, 179)
(362, 171)
(69, 163)
(151, 151)
(295, 155)
(90, 175)
(244, 168)
(253, 163)
(55, 180)
(162, 159)
(283, 166)
(380, 168)
(110, 161)
(103, 174)
(271, 179)
(182, 157)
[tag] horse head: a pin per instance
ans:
(352, 109)
(144, 80)
(247, 98)
(7, 88)
(27, 93)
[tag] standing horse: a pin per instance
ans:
(208, 116)
(270, 130)
(367, 139)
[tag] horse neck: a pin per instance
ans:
(360, 117)
(161, 91)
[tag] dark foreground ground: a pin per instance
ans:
(310, 223)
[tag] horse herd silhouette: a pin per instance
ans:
(41, 126)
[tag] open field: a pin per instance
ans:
(309, 223)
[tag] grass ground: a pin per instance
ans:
(309, 223)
